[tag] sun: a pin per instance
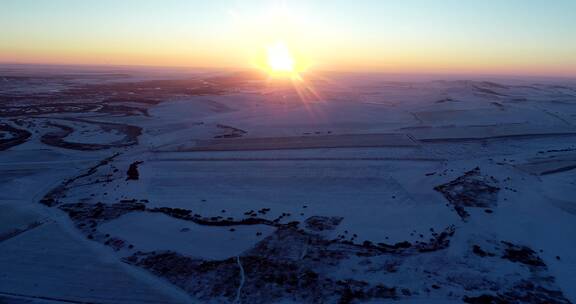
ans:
(279, 59)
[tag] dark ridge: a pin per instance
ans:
(19, 137)
(50, 199)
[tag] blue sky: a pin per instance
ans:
(522, 35)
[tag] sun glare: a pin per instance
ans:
(279, 59)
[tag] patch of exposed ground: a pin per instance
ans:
(132, 172)
(289, 265)
(471, 190)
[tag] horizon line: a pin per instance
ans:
(568, 76)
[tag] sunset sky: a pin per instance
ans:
(489, 36)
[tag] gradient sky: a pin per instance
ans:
(487, 36)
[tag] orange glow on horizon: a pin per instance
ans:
(351, 60)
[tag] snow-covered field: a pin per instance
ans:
(226, 187)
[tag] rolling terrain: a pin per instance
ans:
(129, 186)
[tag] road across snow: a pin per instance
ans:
(303, 142)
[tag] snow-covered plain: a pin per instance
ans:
(131, 186)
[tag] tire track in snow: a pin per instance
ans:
(242, 279)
